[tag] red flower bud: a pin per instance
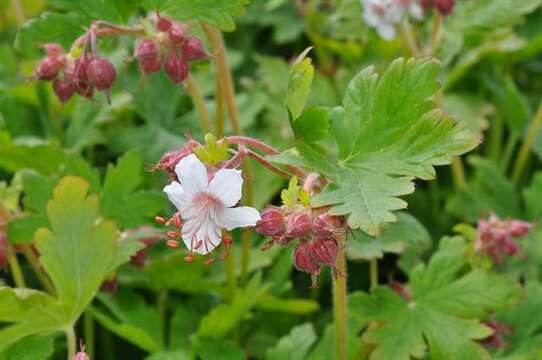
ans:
(519, 228)
(177, 69)
(101, 73)
(445, 7)
(110, 286)
(53, 49)
(272, 222)
(77, 73)
(325, 225)
(193, 49)
(177, 33)
(49, 67)
(163, 24)
(139, 259)
(64, 89)
(325, 251)
(299, 225)
(148, 55)
(304, 261)
(170, 159)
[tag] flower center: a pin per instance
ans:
(202, 215)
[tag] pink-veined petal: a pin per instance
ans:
(227, 186)
(192, 174)
(238, 217)
(201, 236)
(176, 194)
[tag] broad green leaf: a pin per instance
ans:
(533, 197)
(111, 10)
(388, 133)
(32, 347)
(406, 234)
(299, 85)
(469, 109)
(21, 229)
(219, 13)
(76, 251)
(50, 27)
(224, 318)
(312, 125)
(295, 345)
(119, 199)
(37, 155)
(211, 349)
(444, 313)
(489, 191)
(169, 355)
(10, 195)
(291, 306)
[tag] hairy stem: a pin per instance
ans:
(458, 173)
(19, 12)
(71, 342)
(38, 269)
(527, 145)
(15, 267)
(230, 276)
(340, 301)
(199, 104)
(435, 32)
(88, 323)
(406, 32)
(373, 273)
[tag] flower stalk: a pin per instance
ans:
(340, 301)
(71, 341)
(199, 104)
(527, 145)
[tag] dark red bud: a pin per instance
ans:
(299, 225)
(148, 55)
(303, 260)
(53, 49)
(193, 49)
(139, 259)
(77, 73)
(325, 251)
(64, 89)
(177, 33)
(163, 24)
(426, 4)
(272, 222)
(170, 159)
(49, 67)
(177, 69)
(101, 74)
(445, 7)
(110, 286)
(325, 226)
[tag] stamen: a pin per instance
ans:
(172, 244)
(189, 258)
(160, 220)
(173, 234)
(209, 261)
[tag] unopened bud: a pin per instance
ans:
(148, 55)
(53, 49)
(272, 222)
(519, 228)
(177, 69)
(177, 33)
(50, 67)
(64, 89)
(101, 73)
(139, 259)
(445, 7)
(163, 24)
(299, 225)
(193, 50)
(324, 251)
(303, 260)
(325, 226)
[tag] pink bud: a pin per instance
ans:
(101, 73)
(64, 89)
(519, 228)
(139, 259)
(325, 226)
(148, 55)
(272, 222)
(170, 159)
(49, 67)
(177, 33)
(324, 251)
(163, 24)
(3, 251)
(77, 73)
(304, 261)
(193, 50)
(299, 225)
(177, 69)
(53, 49)
(81, 355)
(445, 7)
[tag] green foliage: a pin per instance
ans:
(299, 85)
(295, 345)
(215, 12)
(32, 347)
(294, 194)
(444, 312)
(388, 133)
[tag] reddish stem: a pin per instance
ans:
(267, 164)
(244, 140)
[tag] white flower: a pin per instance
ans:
(207, 207)
(412, 7)
(382, 15)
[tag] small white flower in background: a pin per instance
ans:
(384, 14)
(207, 207)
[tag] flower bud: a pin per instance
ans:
(325, 226)
(272, 222)
(177, 33)
(193, 49)
(110, 286)
(77, 73)
(324, 251)
(64, 89)
(148, 55)
(81, 355)
(177, 69)
(304, 261)
(445, 7)
(299, 225)
(53, 49)
(139, 259)
(519, 228)
(101, 73)
(49, 67)
(163, 24)
(170, 159)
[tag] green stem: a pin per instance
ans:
(71, 341)
(230, 276)
(88, 321)
(15, 267)
(162, 303)
(199, 104)
(458, 173)
(406, 32)
(373, 272)
(508, 152)
(527, 145)
(19, 12)
(435, 32)
(494, 147)
(340, 302)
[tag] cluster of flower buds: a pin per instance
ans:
(172, 49)
(496, 237)
(383, 15)
(500, 331)
(81, 355)
(170, 159)
(317, 234)
(84, 74)
(444, 7)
